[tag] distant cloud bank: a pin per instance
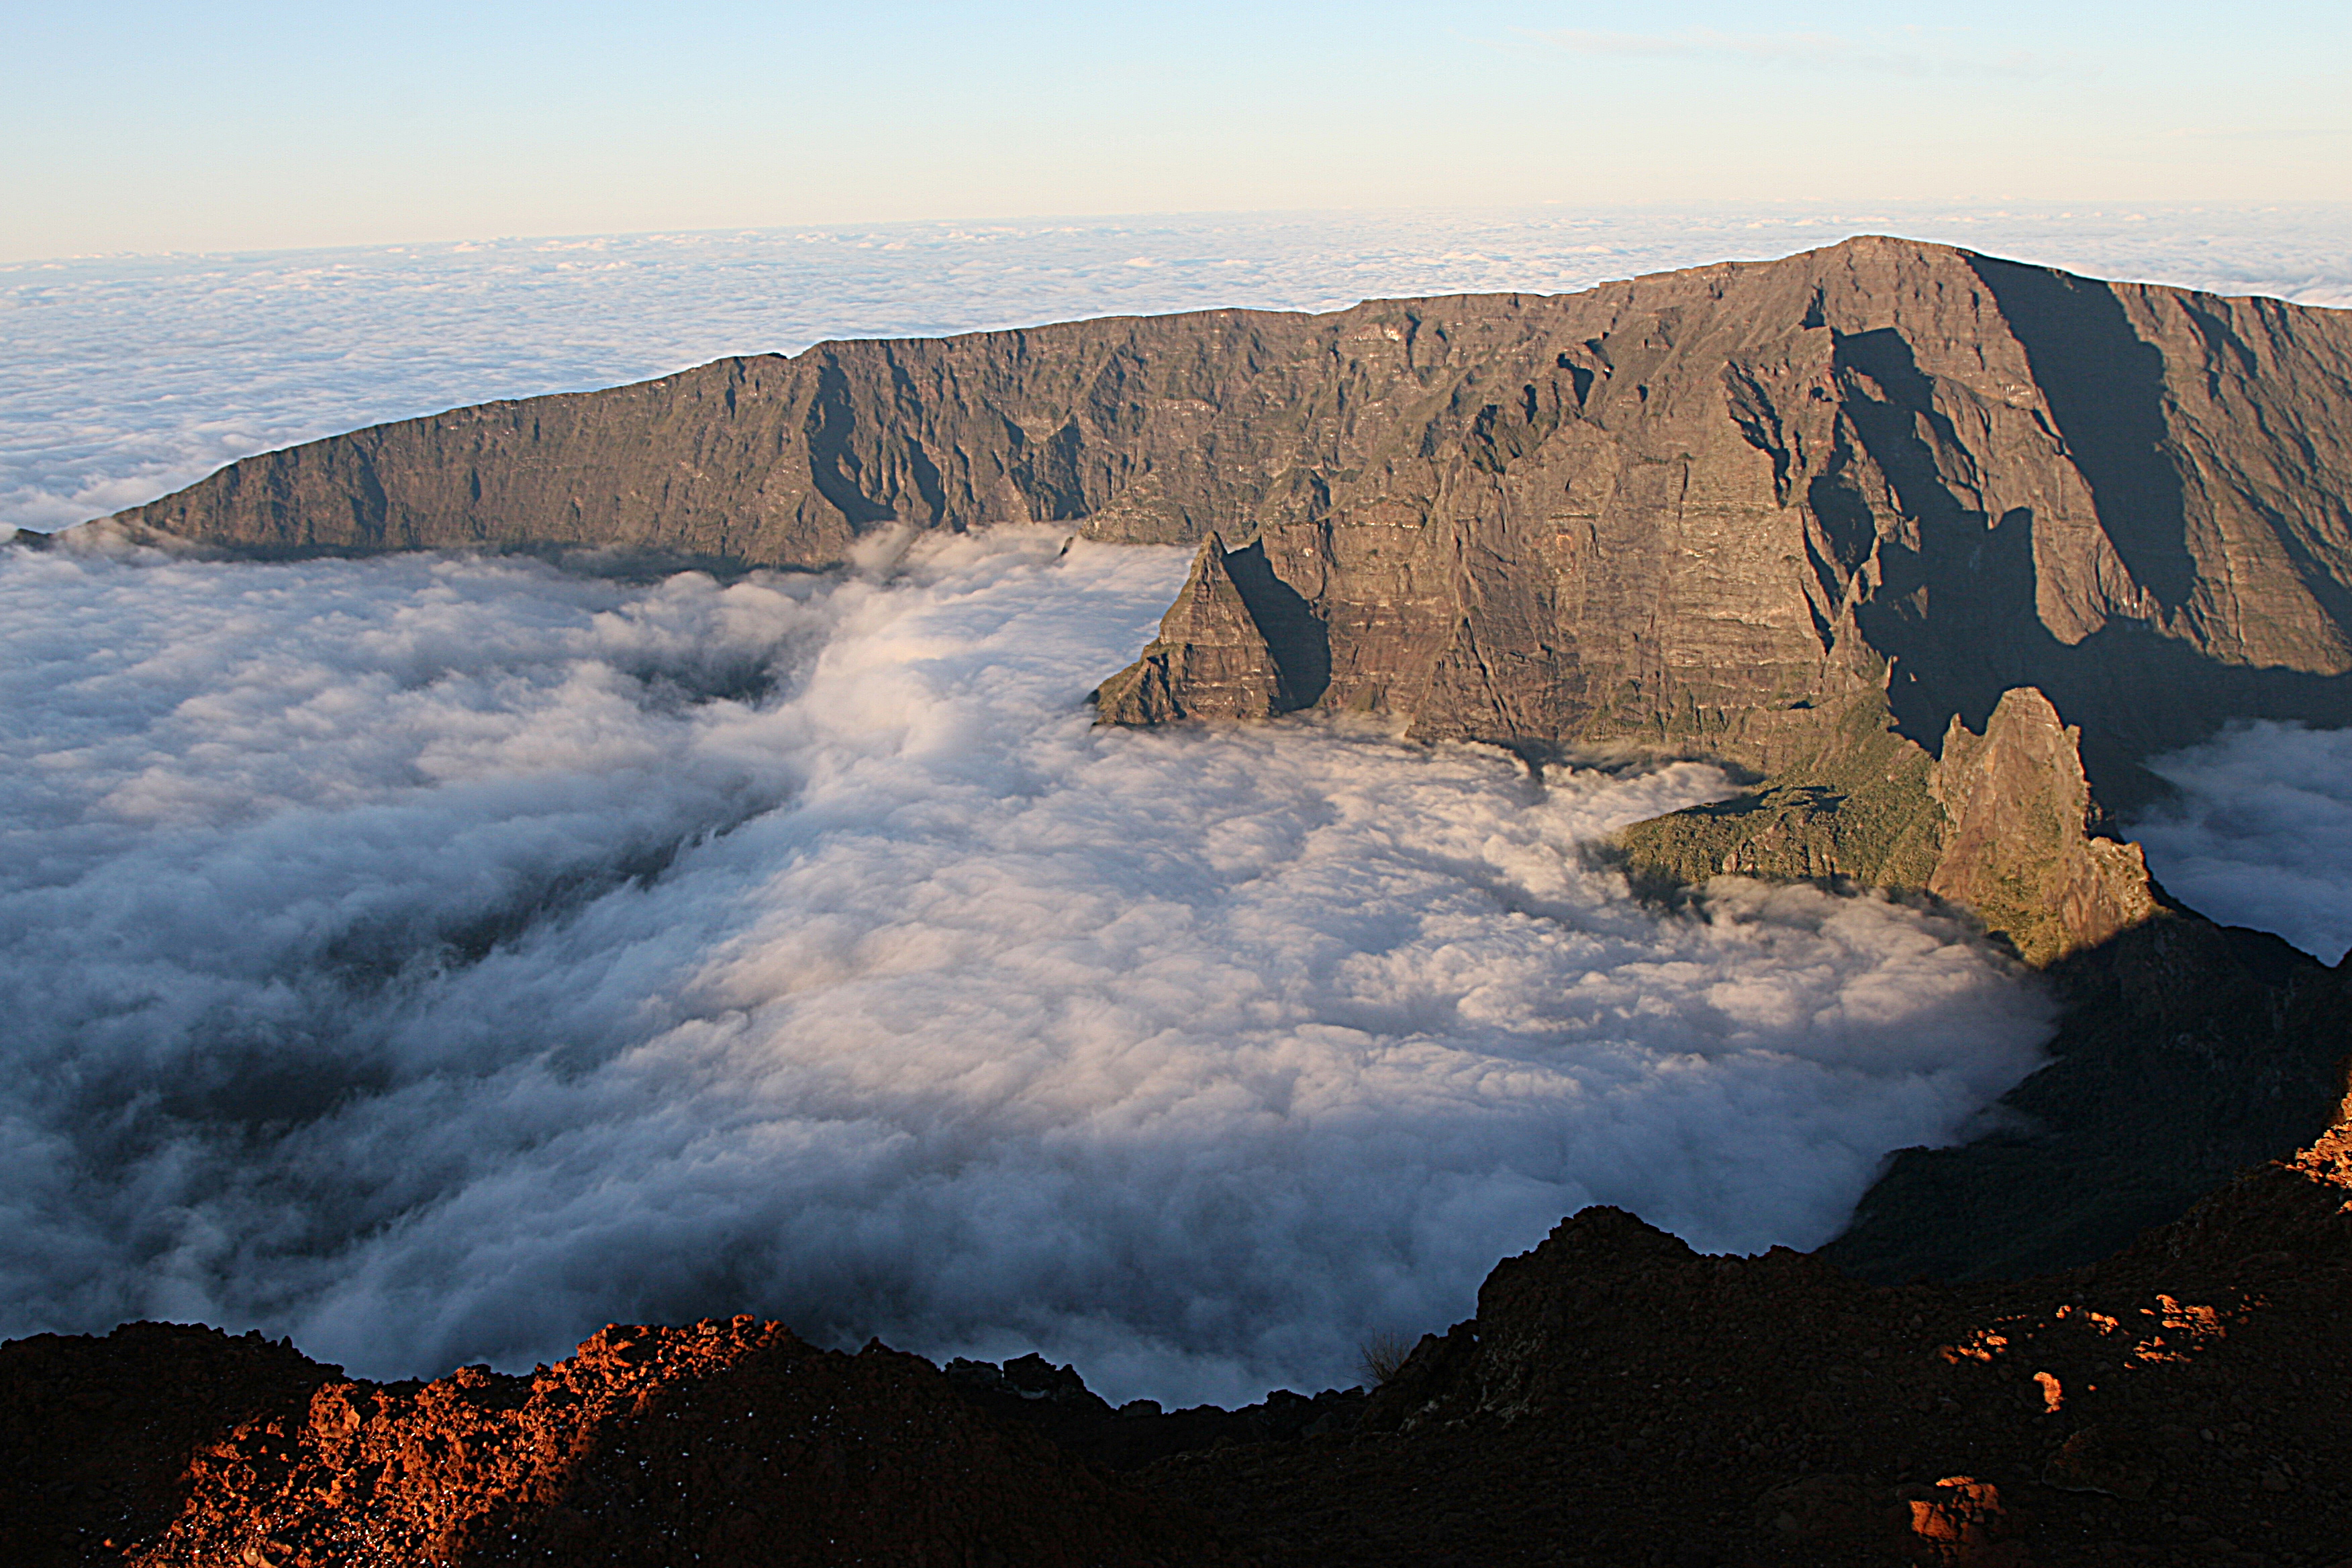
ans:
(2261, 832)
(124, 378)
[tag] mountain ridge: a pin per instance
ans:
(1937, 548)
(1616, 1397)
(1688, 510)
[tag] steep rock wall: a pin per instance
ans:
(2019, 848)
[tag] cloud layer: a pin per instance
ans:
(2261, 832)
(434, 958)
(122, 378)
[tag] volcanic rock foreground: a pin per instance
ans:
(1617, 1399)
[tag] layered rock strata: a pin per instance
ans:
(1237, 644)
(1814, 516)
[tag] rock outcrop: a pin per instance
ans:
(2184, 1051)
(1619, 1398)
(1223, 651)
(2020, 850)
(2002, 823)
(719, 1442)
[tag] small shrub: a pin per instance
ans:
(1379, 1357)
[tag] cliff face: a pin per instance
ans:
(1706, 508)
(1715, 508)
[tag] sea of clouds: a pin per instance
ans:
(2260, 833)
(435, 958)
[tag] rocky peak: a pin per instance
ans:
(2019, 849)
(1225, 651)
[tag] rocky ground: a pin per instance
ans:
(1622, 1400)
(722, 1442)
(1618, 1399)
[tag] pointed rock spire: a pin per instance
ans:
(1211, 659)
(2021, 849)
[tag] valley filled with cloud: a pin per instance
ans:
(435, 958)
(2260, 833)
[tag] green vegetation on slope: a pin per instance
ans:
(1858, 808)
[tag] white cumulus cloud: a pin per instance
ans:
(2260, 833)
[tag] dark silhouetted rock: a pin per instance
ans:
(719, 1443)
(1617, 1398)
(1620, 1398)
(2185, 1052)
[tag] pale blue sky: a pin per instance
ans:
(138, 126)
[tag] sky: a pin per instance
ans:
(145, 127)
